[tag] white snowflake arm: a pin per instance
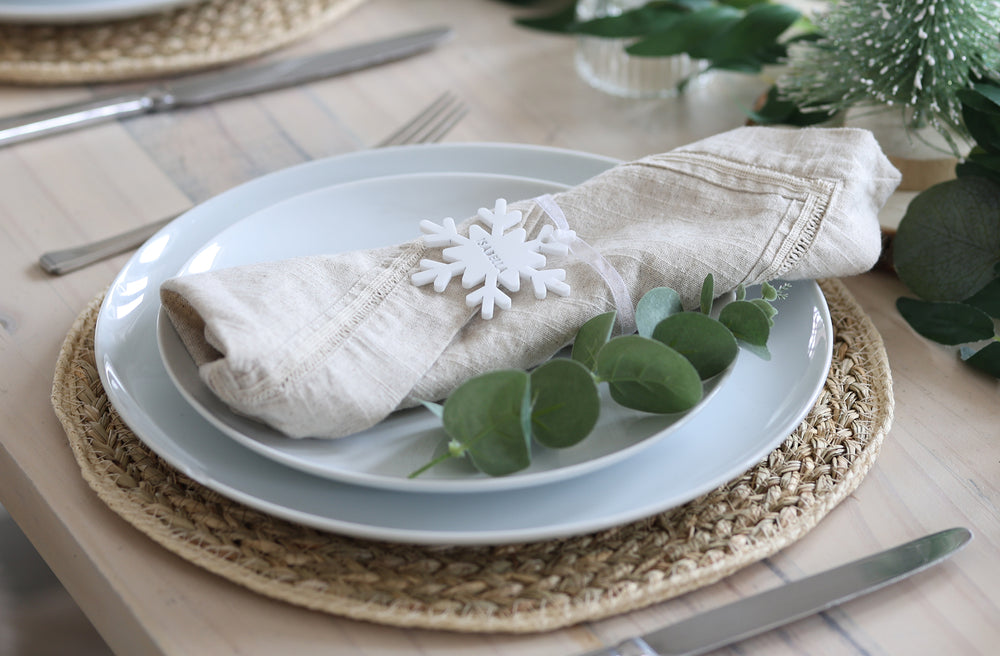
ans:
(440, 273)
(445, 234)
(488, 296)
(548, 280)
(551, 241)
(499, 219)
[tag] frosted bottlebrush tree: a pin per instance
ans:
(913, 54)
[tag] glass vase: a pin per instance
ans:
(604, 64)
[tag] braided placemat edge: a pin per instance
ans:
(76, 402)
(148, 46)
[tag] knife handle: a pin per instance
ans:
(67, 117)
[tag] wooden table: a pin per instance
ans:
(939, 467)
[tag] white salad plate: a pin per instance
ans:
(367, 214)
(81, 11)
(753, 412)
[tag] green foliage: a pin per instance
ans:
(986, 359)
(591, 337)
(486, 416)
(948, 241)
(707, 344)
(644, 374)
(734, 35)
(981, 113)
(564, 404)
(947, 248)
(492, 418)
(946, 323)
(656, 305)
(912, 55)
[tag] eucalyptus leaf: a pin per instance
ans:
(989, 92)
(747, 322)
(649, 18)
(987, 299)
(768, 309)
(707, 294)
(979, 163)
(561, 20)
(987, 359)
(760, 26)
(565, 403)
(946, 322)
(688, 33)
(591, 337)
(644, 374)
(742, 4)
(706, 343)
(984, 127)
(656, 305)
(436, 408)
(948, 242)
(983, 97)
(486, 414)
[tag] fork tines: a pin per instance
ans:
(431, 124)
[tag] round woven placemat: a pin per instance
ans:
(204, 34)
(513, 588)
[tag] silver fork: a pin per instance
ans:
(429, 126)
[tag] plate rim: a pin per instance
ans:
(23, 11)
(498, 155)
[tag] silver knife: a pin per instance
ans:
(768, 610)
(218, 85)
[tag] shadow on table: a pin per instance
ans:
(37, 616)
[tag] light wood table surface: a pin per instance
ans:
(939, 467)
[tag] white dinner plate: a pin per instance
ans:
(81, 11)
(757, 408)
(367, 214)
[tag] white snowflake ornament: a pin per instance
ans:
(494, 259)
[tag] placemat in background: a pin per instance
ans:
(192, 37)
(512, 588)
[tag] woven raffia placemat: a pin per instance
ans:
(201, 35)
(514, 588)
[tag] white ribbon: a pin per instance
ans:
(590, 255)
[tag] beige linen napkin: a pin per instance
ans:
(326, 346)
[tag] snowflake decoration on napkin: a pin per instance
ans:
(494, 259)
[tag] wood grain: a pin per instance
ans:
(940, 464)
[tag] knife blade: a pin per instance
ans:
(768, 610)
(218, 85)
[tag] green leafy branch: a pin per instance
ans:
(947, 248)
(491, 419)
(734, 35)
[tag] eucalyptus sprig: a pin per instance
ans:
(734, 35)
(491, 419)
(947, 248)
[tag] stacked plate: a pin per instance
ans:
(81, 11)
(633, 466)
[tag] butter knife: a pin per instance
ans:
(773, 608)
(218, 85)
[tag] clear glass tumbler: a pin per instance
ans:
(604, 64)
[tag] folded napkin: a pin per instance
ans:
(326, 346)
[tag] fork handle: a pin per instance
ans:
(71, 259)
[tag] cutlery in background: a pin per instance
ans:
(768, 610)
(427, 126)
(218, 85)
